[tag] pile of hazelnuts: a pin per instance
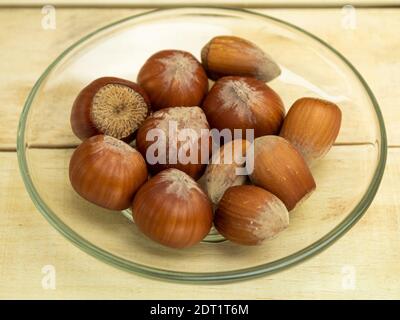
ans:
(175, 203)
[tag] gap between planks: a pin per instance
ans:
(175, 4)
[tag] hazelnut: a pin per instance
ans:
(234, 56)
(171, 209)
(173, 78)
(107, 172)
(312, 126)
(244, 103)
(248, 215)
(281, 169)
(166, 150)
(221, 173)
(110, 106)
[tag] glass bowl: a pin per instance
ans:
(347, 178)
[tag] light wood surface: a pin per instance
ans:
(369, 253)
(233, 3)
(370, 250)
(27, 49)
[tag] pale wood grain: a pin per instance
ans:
(168, 3)
(327, 207)
(27, 50)
(28, 242)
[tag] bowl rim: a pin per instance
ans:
(192, 277)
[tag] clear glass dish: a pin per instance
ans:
(347, 179)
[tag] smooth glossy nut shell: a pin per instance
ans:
(281, 169)
(312, 126)
(244, 103)
(172, 210)
(234, 56)
(173, 78)
(249, 215)
(107, 172)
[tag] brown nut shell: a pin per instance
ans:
(244, 103)
(173, 78)
(281, 169)
(171, 209)
(107, 172)
(221, 173)
(312, 126)
(234, 56)
(111, 106)
(249, 215)
(168, 152)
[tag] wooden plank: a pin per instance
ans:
(368, 254)
(363, 264)
(325, 208)
(27, 49)
(49, 120)
(168, 3)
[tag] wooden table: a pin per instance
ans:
(369, 253)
